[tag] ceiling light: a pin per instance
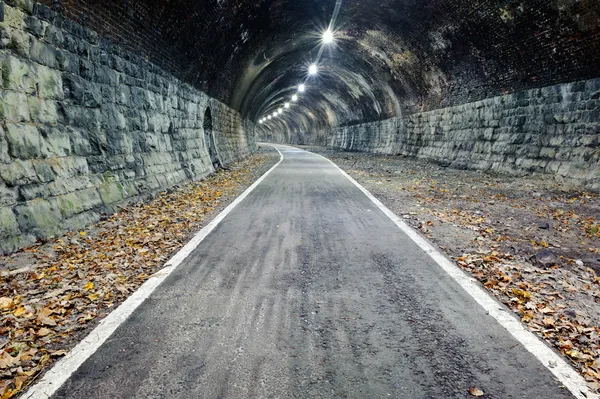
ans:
(287, 105)
(312, 69)
(280, 111)
(328, 36)
(294, 98)
(301, 88)
(269, 117)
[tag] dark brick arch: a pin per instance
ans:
(412, 55)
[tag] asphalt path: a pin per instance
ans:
(306, 289)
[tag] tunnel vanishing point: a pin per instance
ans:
(305, 284)
(104, 101)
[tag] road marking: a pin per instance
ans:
(63, 369)
(562, 370)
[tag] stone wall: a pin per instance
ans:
(553, 130)
(86, 125)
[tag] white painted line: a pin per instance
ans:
(63, 369)
(562, 370)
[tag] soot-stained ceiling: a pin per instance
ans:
(390, 57)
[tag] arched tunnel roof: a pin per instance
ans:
(389, 57)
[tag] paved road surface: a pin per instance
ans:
(307, 290)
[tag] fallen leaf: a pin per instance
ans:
(20, 311)
(19, 381)
(42, 332)
(7, 360)
(44, 317)
(6, 303)
(476, 391)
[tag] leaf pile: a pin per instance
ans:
(531, 241)
(46, 306)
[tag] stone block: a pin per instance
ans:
(66, 167)
(40, 217)
(43, 53)
(18, 75)
(4, 157)
(17, 41)
(68, 62)
(13, 17)
(35, 26)
(81, 117)
(86, 69)
(33, 191)
(123, 95)
(80, 142)
(13, 107)
(43, 170)
(49, 83)
(54, 36)
(548, 152)
(55, 142)
(89, 198)
(18, 172)
(112, 192)
(24, 141)
(8, 223)
(43, 111)
(69, 185)
(103, 74)
(80, 221)
(69, 204)
(112, 118)
(8, 196)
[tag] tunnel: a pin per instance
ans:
(502, 86)
(110, 106)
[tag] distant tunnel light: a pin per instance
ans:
(287, 105)
(270, 117)
(328, 36)
(294, 98)
(302, 88)
(280, 111)
(312, 69)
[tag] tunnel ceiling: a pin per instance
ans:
(390, 57)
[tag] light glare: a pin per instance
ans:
(328, 36)
(312, 70)
(287, 105)
(294, 98)
(301, 88)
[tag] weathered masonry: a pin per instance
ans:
(86, 125)
(106, 100)
(552, 130)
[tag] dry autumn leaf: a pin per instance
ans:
(20, 311)
(44, 318)
(473, 391)
(42, 332)
(6, 360)
(6, 303)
